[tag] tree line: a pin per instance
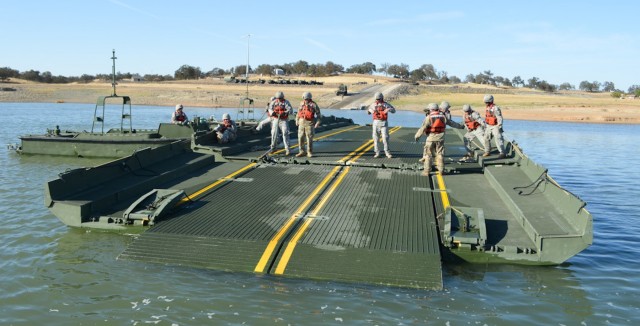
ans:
(424, 73)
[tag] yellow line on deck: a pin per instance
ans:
(443, 190)
(276, 238)
(370, 143)
(219, 181)
(321, 137)
(282, 264)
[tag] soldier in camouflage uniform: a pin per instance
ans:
(307, 120)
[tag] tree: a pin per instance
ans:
(566, 87)
(333, 68)
(417, 75)
(633, 89)
(455, 80)
(6, 73)
(401, 70)
(608, 87)
(32, 75)
(365, 68)
(216, 72)
(517, 81)
(533, 82)
(470, 78)
(429, 71)
(589, 87)
(241, 70)
(87, 78)
(264, 69)
(300, 67)
(187, 72)
(384, 67)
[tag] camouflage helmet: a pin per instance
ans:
(466, 108)
(280, 95)
(226, 116)
(444, 105)
(378, 96)
(306, 95)
(488, 98)
(432, 107)
(179, 107)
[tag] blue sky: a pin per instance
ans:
(557, 41)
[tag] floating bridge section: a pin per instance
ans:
(341, 215)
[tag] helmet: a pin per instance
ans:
(379, 96)
(433, 107)
(488, 98)
(280, 95)
(179, 107)
(226, 116)
(444, 105)
(466, 108)
(306, 95)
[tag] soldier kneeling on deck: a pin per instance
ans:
(433, 126)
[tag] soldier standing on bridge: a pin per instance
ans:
(434, 125)
(307, 112)
(493, 118)
(279, 109)
(475, 129)
(380, 110)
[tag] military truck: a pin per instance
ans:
(342, 90)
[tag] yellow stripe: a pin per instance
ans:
(321, 137)
(274, 241)
(219, 181)
(443, 190)
(394, 129)
(286, 256)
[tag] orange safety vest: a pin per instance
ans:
(280, 110)
(471, 124)
(307, 110)
(437, 122)
(491, 118)
(378, 111)
(181, 117)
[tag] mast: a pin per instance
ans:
(113, 73)
(246, 74)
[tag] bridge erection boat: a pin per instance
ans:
(341, 215)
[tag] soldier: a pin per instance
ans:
(267, 120)
(178, 116)
(444, 108)
(307, 112)
(433, 126)
(475, 129)
(279, 110)
(380, 111)
(493, 118)
(226, 131)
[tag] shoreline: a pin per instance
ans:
(516, 104)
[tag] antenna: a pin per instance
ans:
(246, 74)
(113, 73)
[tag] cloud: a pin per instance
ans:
(124, 5)
(319, 45)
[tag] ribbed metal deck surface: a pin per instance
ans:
(337, 220)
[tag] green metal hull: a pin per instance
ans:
(112, 144)
(340, 215)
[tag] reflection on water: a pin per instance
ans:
(57, 275)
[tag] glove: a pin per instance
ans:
(417, 139)
(501, 131)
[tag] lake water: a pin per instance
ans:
(55, 275)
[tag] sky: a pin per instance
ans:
(557, 41)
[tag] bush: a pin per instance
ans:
(616, 94)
